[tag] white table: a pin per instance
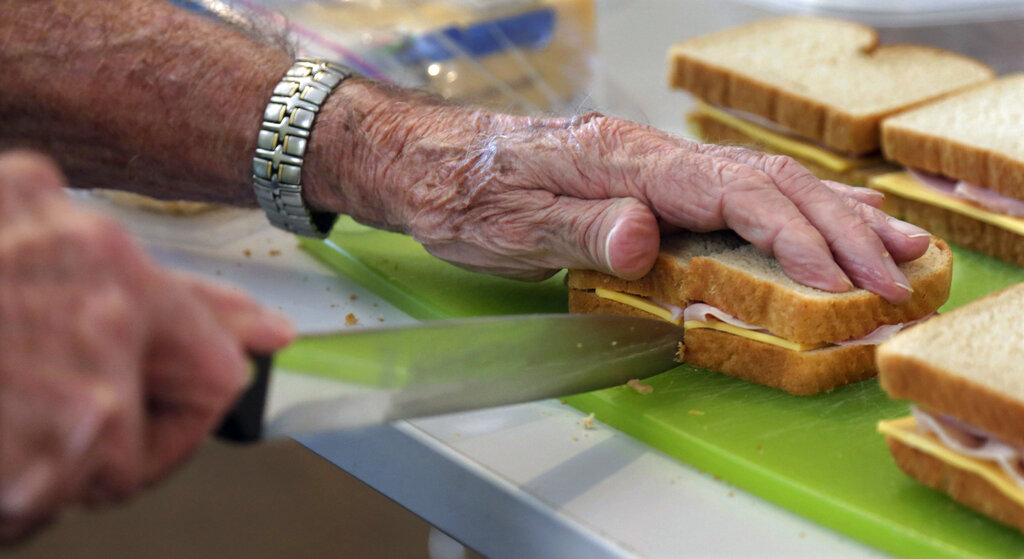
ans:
(526, 480)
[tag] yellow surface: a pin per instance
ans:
(636, 302)
(906, 431)
(785, 144)
(756, 336)
(904, 184)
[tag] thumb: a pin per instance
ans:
(619, 236)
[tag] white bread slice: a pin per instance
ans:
(725, 271)
(801, 373)
(968, 363)
(976, 136)
(827, 80)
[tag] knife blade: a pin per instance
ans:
(359, 377)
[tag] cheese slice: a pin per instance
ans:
(905, 185)
(642, 303)
(786, 144)
(907, 432)
(762, 337)
(660, 311)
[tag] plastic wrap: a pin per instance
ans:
(519, 56)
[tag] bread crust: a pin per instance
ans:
(853, 133)
(966, 487)
(712, 131)
(799, 373)
(807, 117)
(953, 157)
(959, 229)
(786, 313)
(664, 282)
(908, 378)
(802, 319)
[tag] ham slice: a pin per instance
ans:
(703, 312)
(971, 441)
(979, 196)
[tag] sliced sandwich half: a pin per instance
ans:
(744, 317)
(813, 88)
(964, 371)
(965, 156)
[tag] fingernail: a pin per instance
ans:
(896, 274)
(635, 243)
(908, 229)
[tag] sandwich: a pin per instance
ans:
(964, 373)
(965, 160)
(742, 316)
(813, 88)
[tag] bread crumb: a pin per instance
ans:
(334, 306)
(351, 320)
(680, 353)
(217, 272)
(380, 319)
(588, 422)
(352, 297)
(275, 252)
(640, 387)
(802, 535)
(247, 253)
(576, 439)
(695, 412)
(328, 289)
(375, 305)
(731, 494)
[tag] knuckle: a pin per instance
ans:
(784, 166)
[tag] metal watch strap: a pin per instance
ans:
(281, 145)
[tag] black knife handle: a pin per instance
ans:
(244, 423)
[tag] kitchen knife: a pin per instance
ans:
(360, 377)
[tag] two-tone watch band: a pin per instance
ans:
(281, 145)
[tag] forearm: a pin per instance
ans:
(136, 95)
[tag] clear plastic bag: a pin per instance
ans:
(518, 56)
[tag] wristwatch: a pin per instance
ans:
(281, 145)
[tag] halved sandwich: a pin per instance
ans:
(744, 317)
(964, 371)
(965, 156)
(813, 88)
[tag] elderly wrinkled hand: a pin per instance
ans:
(524, 197)
(112, 369)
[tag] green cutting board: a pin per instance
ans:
(818, 456)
